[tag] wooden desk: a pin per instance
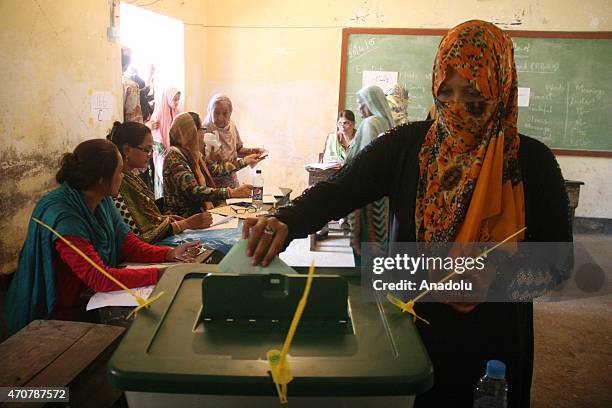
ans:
(573, 193)
(55, 353)
(315, 176)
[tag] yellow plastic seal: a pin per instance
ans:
(279, 366)
(407, 307)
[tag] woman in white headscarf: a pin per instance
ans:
(377, 118)
(218, 122)
(370, 223)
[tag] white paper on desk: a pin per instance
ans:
(523, 96)
(267, 199)
(219, 222)
(118, 298)
(134, 265)
(218, 219)
(273, 191)
(323, 166)
(222, 222)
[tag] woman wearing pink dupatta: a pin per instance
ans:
(166, 109)
(218, 121)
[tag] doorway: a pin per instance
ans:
(157, 44)
(155, 40)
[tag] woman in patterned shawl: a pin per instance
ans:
(188, 180)
(135, 202)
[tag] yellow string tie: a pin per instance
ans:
(279, 366)
(142, 303)
(408, 307)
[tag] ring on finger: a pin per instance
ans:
(269, 230)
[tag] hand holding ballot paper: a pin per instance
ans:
(266, 237)
(236, 261)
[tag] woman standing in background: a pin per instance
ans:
(165, 111)
(370, 223)
(377, 118)
(218, 120)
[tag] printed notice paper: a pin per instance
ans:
(102, 106)
(380, 78)
(523, 97)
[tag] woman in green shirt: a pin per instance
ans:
(338, 142)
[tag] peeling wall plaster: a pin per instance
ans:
(55, 54)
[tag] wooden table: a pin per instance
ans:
(315, 176)
(55, 353)
(573, 193)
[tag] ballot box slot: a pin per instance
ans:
(253, 298)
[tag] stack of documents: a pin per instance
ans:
(220, 222)
(323, 166)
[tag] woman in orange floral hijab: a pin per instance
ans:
(470, 186)
(466, 177)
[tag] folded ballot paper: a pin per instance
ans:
(236, 261)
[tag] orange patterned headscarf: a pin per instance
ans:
(470, 187)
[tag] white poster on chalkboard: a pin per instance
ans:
(380, 78)
(523, 97)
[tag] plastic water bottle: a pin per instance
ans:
(258, 183)
(492, 390)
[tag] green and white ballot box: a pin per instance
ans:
(204, 343)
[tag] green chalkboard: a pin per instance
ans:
(569, 80)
